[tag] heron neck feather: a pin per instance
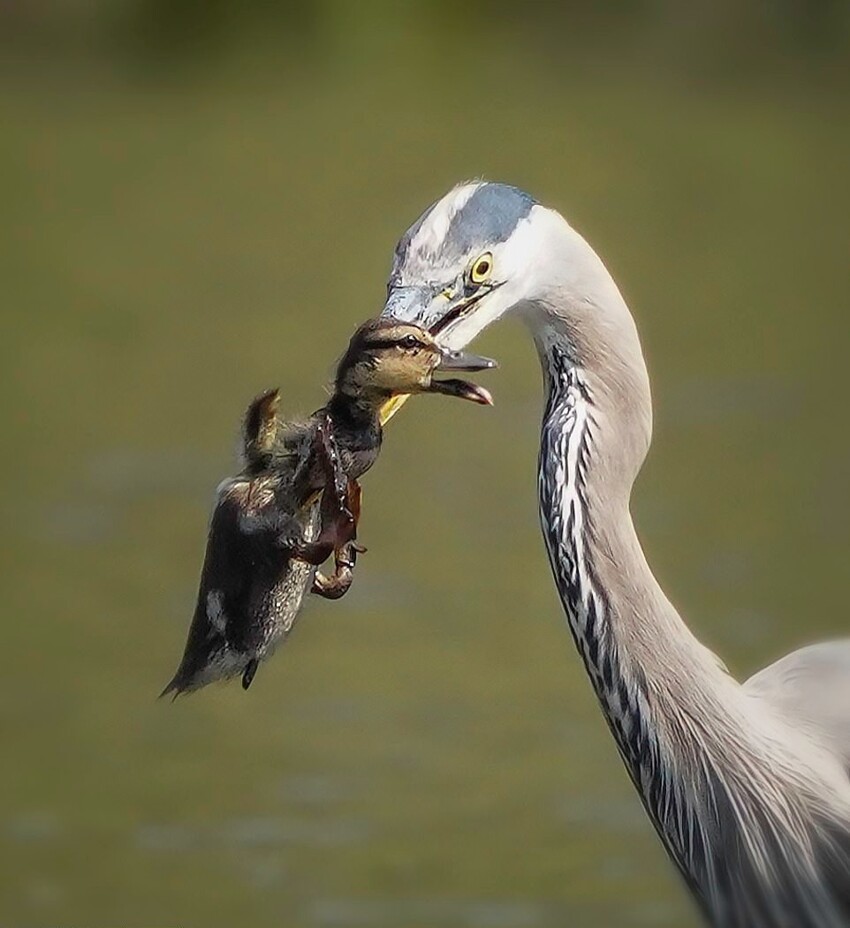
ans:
(606, 584)
(706, 760)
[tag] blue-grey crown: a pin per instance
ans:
(488, 217)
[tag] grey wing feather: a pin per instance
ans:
(811, 688)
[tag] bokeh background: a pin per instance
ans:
(200, 199)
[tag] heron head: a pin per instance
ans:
(470, 257)
(486, 249)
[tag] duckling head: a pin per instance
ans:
(387, 358)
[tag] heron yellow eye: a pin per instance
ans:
(482, 268)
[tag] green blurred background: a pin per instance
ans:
(200, 199)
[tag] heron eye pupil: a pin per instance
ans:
(481, 269)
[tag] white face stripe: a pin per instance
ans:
(433, 231)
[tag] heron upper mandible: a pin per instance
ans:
(747, 785)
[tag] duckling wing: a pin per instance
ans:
(250, 590)
(258, 585)
(236, 562)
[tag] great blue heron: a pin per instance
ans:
(748, 785)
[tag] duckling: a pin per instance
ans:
(267, 536)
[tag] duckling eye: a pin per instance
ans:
(481, 268)
(410, 341)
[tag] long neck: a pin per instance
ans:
(639, 655)
(715, 776)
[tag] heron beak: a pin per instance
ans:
(452, 318)
(392, 406)
(420, 305)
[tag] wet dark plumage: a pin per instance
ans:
(296, 502)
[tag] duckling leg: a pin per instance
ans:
(338, 528)
(351, 506)
(338, 584)
(340, 506)
(337, 483)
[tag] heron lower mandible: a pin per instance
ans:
(748, 786)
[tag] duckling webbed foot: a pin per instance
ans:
(339, 582)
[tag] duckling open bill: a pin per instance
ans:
(296, 501)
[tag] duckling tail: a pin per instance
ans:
(176, 687)
(248, 673)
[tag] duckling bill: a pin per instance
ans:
(296, 501)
